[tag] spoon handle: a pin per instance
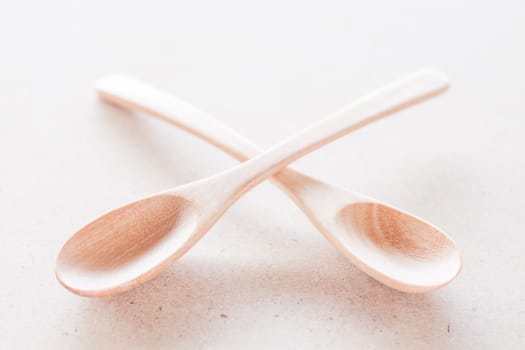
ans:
(383, 102)
(130, 93)
(125, 91)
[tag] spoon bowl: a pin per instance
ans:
(131, 244)
(400, 249)
(126, 245)
(396, 248)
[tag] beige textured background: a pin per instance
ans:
(263, 277)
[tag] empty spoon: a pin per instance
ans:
(127, 92)
(130, 245)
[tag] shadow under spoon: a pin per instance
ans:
(130, 245)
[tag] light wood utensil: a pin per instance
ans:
(129, 245)
(127, 92)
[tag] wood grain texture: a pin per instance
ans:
(197, 206)
(328, 207)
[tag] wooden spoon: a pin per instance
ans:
(127, 92)
(128, 246)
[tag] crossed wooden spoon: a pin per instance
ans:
(130, 245)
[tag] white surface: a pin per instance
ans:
(263, 277)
